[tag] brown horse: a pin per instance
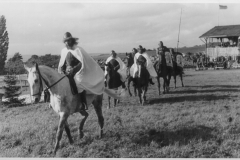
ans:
(113, 78)
(142, 79)
(162, 71)
(176, 69)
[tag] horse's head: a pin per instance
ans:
(35, 82)
(141, 61)
(129, 59)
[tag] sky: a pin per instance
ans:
(37, 27)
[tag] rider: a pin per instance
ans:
(122, 67)
(159, 52)
(82, 70)
(149, 65)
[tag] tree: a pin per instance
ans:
(12, 91)
(48, 60)
(17, 56)
(15, 64)
(4, 41)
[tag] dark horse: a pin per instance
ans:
(142, 79)
(161, 69)
(113, 79)
(175, 69)
(129, 63)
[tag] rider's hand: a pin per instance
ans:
(70, 72)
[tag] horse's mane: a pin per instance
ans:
(48, 70)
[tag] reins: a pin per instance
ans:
(46, 83)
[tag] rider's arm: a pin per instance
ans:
(75, 64)
(63, 68)
(76, 68)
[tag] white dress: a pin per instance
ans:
(149, 65)
(90, 77)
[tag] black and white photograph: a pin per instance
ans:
(119, 79)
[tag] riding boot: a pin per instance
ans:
(83, 106)
(151, 82)
(123, 85)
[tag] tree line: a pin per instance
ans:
(15, 65)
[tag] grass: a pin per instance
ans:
(199, 120)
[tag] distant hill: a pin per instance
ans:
(197, 48)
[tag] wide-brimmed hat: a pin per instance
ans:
(160, 42)
(68, 36)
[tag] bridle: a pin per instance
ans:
(46, 83)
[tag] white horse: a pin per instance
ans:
(62, 100)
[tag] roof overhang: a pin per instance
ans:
(215, 36)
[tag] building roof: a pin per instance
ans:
(222, 31)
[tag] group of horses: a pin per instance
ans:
(141, 81)
(64, 103)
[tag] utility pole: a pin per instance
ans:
(179, 29)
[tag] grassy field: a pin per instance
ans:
(199, 120)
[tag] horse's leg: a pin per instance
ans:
(144, 94)
(165, 84)
(169, 79)
(85, 114)
(63, 118)
(115, 102)
(109, 102)
(68, 132)
(129, 81)
(181, 79)
(135, 91)
(140, 95)
(97, 103)
(158, 80)
(175, 81)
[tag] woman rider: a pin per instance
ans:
(83, 71)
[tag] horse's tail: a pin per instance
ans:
(116, 94)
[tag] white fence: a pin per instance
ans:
(22, 82)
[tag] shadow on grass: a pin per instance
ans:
(217, 86)
(182, 136)
(192, 98)
(205, 91)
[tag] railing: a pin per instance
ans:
(220, 51)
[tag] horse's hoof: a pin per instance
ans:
(81, 134)
(71, 141)
(101, 134)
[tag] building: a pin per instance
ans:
(222, 41)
